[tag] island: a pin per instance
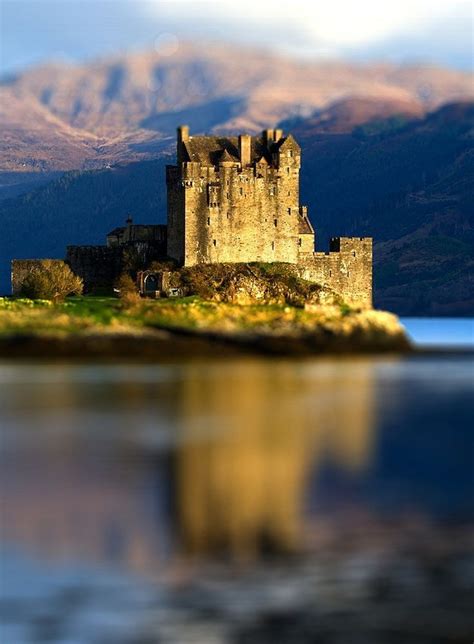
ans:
(235, 266)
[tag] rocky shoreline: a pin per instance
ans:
(159, 344)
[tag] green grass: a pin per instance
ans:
(91, 315)
(87, 313)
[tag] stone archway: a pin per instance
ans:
(151, 283)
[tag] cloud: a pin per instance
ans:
(34, 30)
(420, 29)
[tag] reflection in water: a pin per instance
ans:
(362, 467)
(251, 438)
(220, 459)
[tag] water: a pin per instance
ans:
(235, 501)
(435, 332)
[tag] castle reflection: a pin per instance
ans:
(198, 460)
(252, 438)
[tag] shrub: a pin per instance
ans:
(345, 309)
(127, 290)
(51, 280)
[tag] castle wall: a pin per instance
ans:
(175, 216)
(305, 247)
(99, 266)
(346, 269)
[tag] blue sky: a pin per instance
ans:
(439, 31)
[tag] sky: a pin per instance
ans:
(437, 31)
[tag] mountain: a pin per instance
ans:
(370, 167)
(63, 117)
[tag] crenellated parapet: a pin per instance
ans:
(346, 269)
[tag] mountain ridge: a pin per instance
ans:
(66, 117)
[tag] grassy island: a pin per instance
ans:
(107, 326)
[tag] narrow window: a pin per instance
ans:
(353, 253)
(330, 273)
(241, 191)
(289, 211)
(275, 221)
(214, 242)
(288, 170)
(299, 241)
(273, 245)
(208, 221)
(289, 193)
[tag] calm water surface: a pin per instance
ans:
(238, 501)
(448, 332)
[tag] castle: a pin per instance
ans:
(233, 199)
(236, 199)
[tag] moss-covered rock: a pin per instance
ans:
(246, 284)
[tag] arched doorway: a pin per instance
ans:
(151, 283)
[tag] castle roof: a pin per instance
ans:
(286, 143)
(209, 150)
(304, 226)
(226, 157)
(137, 229)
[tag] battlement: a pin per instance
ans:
(351, 244)
(346, 269)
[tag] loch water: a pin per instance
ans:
(240, 500)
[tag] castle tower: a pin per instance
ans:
(236, 199)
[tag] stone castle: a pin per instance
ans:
(236, 200)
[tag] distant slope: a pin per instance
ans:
(405, 180)
(64, 117)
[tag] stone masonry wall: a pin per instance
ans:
(346, 269)
(99, 266)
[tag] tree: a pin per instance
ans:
(51, 279)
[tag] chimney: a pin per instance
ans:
(278, 135)
(245, 142)
(268, 136)
(183, 137)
